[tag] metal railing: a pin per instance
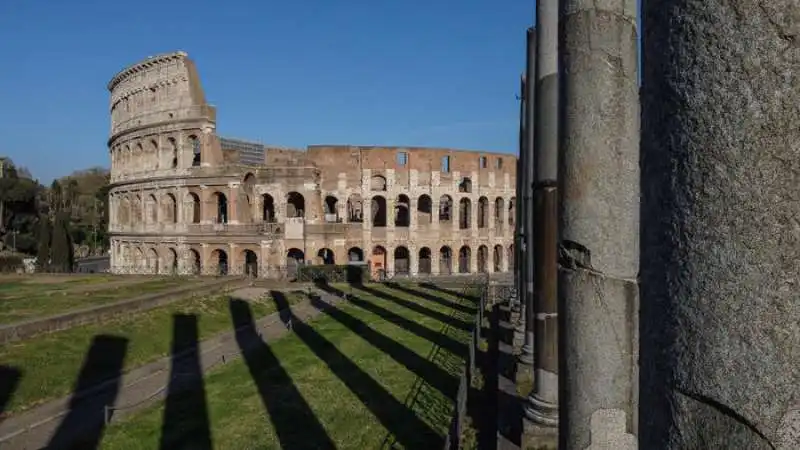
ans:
(453, 440)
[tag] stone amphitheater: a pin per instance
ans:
(185, 200)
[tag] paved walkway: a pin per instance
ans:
(140, 387)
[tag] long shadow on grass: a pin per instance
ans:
(97, 386)
(434, 375)
(432, 298)
(448, 291)
(185, 411)
(293, 419)
(9, 379)
(416, 307)
(436, 337)
(410, 430)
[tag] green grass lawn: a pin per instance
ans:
(27, 300)
(379, 371)
(50, 363)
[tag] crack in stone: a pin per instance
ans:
(726, 411)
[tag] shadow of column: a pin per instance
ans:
(9, 379)
(292, 417)
(186, 423)
(409, 430)
(84, 424)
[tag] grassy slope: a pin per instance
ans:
(23, 301)
(51, 363)
(238, 418)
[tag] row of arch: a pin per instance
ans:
(149, 261)
(149, 156)
(265, 210)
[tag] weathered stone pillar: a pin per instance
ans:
(543, 401)
(599, 190)
(720, 308)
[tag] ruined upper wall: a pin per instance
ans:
(422, 159)
(160, 89)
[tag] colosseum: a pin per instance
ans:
(185, 200)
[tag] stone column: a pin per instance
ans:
(543, 401)
(599, 178)
(720, 349)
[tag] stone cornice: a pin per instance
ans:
(144, 65)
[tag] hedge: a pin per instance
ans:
(333, 273)
(11, 263)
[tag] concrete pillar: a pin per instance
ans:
(599, 178)
(720, 343)
(414, 264)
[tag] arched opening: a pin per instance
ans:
(193, 207)
(124, 212)
(355, 254)
(295, 205)
(294, 259)
(152, 261)
(464, 254)
(194, 144)
(424, 260)
(326, 256)
(445, 260)
(402, 216)
(169, 209)
(378, 261)
(483, 259)
(250, 263)
(377, 183)
(154, 156)
(445, 209)
(510, 257)
(194, 262)
(138, 257)
(331, 210)
(172, 261)
(465, 186)
(512, 210)
(173, 151)
(424, 207)
(139, 158)
(483, 212)
(464, 214)
(151, 206)
(267, 208)
(219, 262)
(355, 209)
(498, 211)
(402, 261)
(136, 210)
(221, 202)
(378, 211)
(497, 258)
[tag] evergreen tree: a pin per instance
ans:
(44, 236)
(62, 252)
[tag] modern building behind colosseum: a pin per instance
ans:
(185, 200)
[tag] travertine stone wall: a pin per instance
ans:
(324, 204)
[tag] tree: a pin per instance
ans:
(45, 235)
(62, 254)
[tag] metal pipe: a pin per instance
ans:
(542, 405)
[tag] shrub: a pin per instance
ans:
(11, 263)
(333, 273)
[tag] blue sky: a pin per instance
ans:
(289, 73)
